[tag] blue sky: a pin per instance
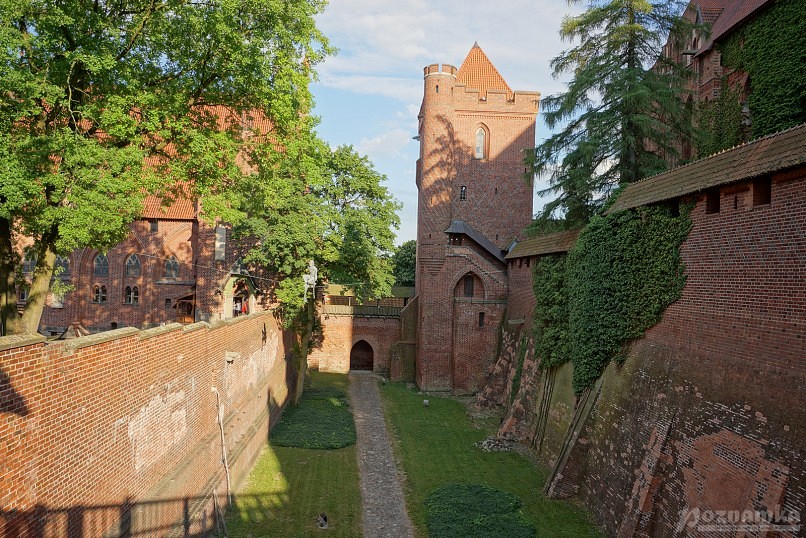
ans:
(368, 95)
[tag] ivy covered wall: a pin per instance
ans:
(623, 272)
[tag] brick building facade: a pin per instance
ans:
(473, 203)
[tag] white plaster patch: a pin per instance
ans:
(159, 425)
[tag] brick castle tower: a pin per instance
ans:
(473, 202)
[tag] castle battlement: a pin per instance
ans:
(440, 69)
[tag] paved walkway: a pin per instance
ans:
(384, 508)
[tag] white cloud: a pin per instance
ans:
(386, 144)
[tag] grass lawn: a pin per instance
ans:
(289, 487)
(435, 445)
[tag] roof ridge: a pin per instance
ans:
(725, 150)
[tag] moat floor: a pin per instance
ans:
(384, 507)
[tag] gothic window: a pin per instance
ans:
(99, 294)
(132, 295)
(29, 262)
(133, 266)
(463, 192)
(481, 143)
(468, 284)
(101, 265)
(171, 267)
(62, 267)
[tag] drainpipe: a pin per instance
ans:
(223, 444)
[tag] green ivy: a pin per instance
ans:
(551, 310)
(772, 50)
(623, 272)
(720, 122)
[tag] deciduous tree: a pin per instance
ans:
(90, 91)
(405, 261)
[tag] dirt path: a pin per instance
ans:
(384, 508)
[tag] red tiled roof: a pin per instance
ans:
(478, 73)
(545, 244)
(772, 153)
(734, 14)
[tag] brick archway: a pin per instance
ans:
(362, 356)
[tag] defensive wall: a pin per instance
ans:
(118, 433)
(705, 415)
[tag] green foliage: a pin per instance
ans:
(516, 379)
(307, 201)
(91, 91)
(550, 325)
(720, 122)
(404, 261)
(322, 420)
(623, 272)
(617, 118)
(771, 50)
(474, 510)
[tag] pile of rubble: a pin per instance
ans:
(496, 444)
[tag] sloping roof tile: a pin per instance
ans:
(734, 14)
(553, 243)
(772, 153)
(478, 73)
(461, 227)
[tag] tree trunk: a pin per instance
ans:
(40, 285)
(9, 319)
(302, 359)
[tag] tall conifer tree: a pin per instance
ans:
(622, 111)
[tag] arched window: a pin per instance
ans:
(99, 294)
(62, 267)
(101, 265)
(29, 262)
(133, 265)
(171, 267)
(481, 143)
(132, 295)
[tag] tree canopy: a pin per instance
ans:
(405, 263)
(618, 118)
(309, 201)
(105, 102)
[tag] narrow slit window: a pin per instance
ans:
(481, 143)
(762, 191)
(463, 192)
(468, 283)
(481, 319)
(712, 201)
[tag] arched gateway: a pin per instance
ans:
(361, 356)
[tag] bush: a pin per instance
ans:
(474, 510)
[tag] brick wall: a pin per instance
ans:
(341, 333)
(706, 412)
(120, 428)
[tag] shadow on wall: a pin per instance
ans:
(10, 400)
(193, 517)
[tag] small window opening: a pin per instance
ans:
(463, 192)
(154, 225)
(496, 237)
(437, 89)
(735, 202)
(528, 262)
(762, 191)
(496, 190)
(481, 319)
(167, 303)
(468, 286)
(99, 294)
(113, 325)
(712, 201)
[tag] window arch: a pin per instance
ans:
(469, 286)
(132, 295)
(133, 266)
(29, 262)
(172, 267)
(482, 143)
(99, 294)
(101, 265)
(62, 267)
